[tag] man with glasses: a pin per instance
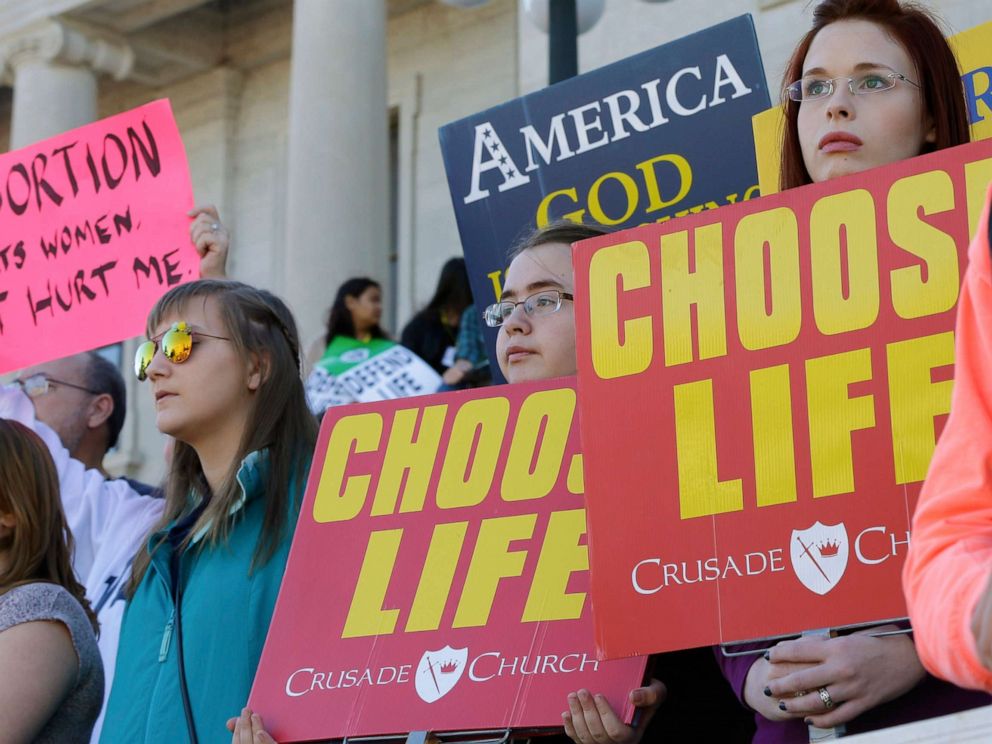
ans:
(84, 400)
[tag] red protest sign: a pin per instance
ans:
(438, 576)
(93, 231)
(761, 387)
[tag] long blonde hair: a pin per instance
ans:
(40, 545)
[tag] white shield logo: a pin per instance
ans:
(439, 671)
(819, 555)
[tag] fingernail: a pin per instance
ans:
(781, 705)
(768, 692)
(768, 655)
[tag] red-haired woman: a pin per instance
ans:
(880, 114)
(872, 82)
(51, 684)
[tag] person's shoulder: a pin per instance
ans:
(35, 601)
(37, 592)
(423, 320)
(143, 489)
(45, 635)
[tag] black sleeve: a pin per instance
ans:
(425, 336)
(700, 705)
(413, 335)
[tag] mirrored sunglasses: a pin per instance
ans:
(176, 345)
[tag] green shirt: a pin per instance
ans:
(344, 352)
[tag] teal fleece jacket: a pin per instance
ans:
(225, 617)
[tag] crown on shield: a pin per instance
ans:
(829, 549)
(448, 667)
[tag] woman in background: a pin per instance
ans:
(51, 676)
(356, 361)
(353, 336)
(433, 332)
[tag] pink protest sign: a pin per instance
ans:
(438, 578)
(93, 230)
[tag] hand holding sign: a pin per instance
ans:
(211, 240)
(248, 728)
(591, 718)
(859, 672)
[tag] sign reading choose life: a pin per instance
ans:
(93, 230)
(438, 578)
(761, 388)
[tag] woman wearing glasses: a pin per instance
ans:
(536, 341)
(51, 686)
(873, 82)
(870, 84)
(222, 364)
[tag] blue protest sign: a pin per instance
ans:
(655, 136)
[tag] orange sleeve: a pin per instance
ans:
(950, 555)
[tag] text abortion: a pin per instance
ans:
(90, 221)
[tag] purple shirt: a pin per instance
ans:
(930, 698)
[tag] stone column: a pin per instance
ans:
(337, 214)
(53, 65)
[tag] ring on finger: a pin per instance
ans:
(800, 693)
(825, 697)
(215, 226)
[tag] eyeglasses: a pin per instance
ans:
(539, 303)
(813, 88)
(39, 384)
(176, 344)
